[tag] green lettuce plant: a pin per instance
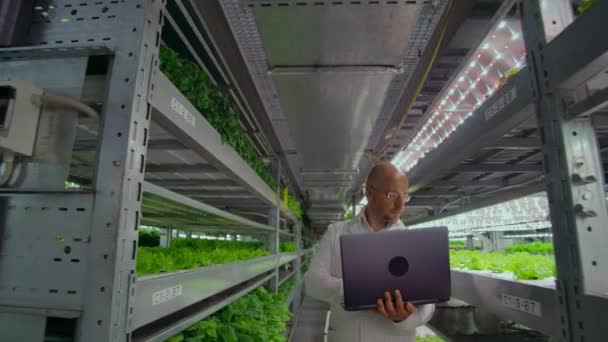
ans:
(220, 110)
(525, 266)
(259, 316)
(192, 253)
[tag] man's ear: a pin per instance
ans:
(368, 192)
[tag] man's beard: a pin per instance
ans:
(389, 220)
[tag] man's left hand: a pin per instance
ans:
(397, 312)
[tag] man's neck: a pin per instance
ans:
(374, 222)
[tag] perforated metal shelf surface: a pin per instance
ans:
(165, 208)
(188, 162)
(161, 295)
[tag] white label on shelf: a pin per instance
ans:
(167, 294)
(182, 111)
(501, 103)
(521, 304)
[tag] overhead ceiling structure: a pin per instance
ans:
(436, 61)
(326, 70)
(347, 83)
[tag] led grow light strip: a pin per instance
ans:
(469, 89)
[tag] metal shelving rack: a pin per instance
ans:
(151, 159)
(563, 54)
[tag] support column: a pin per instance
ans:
(470, 244)
(574, 176)
(274, 217)
(298, 265)
(166, 238)
(487, 245)
(109, 296)
(497, 241)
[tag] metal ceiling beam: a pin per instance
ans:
(325, 210)
(193, 182)
(486, 167)
(423, 203)
(327, 182)
(286, 70)
(224, 196)
(511, 143)
(496, 198)
(458, 52)
(485, 9)
(88, 144)
(181, 168)
(244, 204)
(590, 105)
(600, 120)
(168, 144)
(325, 173)
(603, 144)
(203, 192)
(464, 183)
(327, 218)
(329, 203)
(438, 193)
(573, 67)
(325, 186)
(431, 90)
(448, 65)
(325, 213)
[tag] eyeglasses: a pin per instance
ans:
(405, 197)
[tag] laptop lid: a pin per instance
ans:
(416, 261)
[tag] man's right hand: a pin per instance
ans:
(397, 312)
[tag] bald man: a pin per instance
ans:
(386, 190)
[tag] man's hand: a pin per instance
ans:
(397, 312)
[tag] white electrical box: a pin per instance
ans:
(18, 116)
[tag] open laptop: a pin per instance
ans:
(416, 262)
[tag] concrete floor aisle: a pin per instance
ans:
(310, 321)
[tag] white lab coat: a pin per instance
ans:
(324, 282)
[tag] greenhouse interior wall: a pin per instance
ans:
(168, 167)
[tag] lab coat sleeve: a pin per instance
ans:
(319, 282)
(421, 316)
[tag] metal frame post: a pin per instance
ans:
(575, 185)
(98, 230)
(470, 244)
(498, 241)
(487, 244)
(167, 238)
(298, 296)
(110, 277)
(274, 220)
